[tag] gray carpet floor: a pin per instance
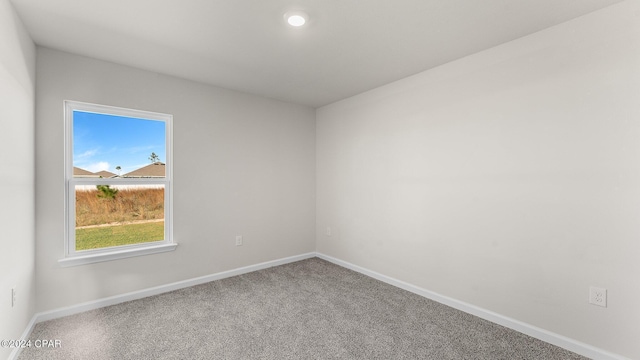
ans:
(310, 309)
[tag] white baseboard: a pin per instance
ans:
(117, 299)
(538, 333)
(533, 331)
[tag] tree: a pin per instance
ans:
(154, 158)
(118, 168)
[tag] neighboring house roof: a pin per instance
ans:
(152, 170)
(78, 172)
(105, 174)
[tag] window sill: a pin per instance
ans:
(115, 255)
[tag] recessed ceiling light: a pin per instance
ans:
(296, 18)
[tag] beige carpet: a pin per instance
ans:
(310, 309)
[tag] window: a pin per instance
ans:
(118, 183)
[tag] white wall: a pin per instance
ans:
(509, 179)
(243, 165)
(17, 89)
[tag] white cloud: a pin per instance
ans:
(99, 166)
(86, 154)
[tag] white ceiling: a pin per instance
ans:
(348, 46)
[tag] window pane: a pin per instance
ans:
(110, 146)
(115, 215)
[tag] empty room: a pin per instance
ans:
(412, 179)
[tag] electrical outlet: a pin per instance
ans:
(598, 296)
(239, 240)
(13, 296)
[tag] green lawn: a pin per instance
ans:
(117, 235)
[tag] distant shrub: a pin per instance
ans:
(104, 191)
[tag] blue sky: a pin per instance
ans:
(102, 142)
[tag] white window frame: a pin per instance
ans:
(73, 257)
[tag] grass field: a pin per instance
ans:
(126, 205)
(118, 210)
(117, 235)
